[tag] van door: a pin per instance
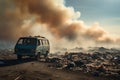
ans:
(39, 46)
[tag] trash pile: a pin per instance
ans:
(6, 54)
(97, 63)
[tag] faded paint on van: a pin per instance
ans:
(32, 46)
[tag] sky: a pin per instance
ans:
(106, 12)
(74, 21)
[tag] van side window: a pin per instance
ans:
(47, 42)
(41, 42)
(38, 42)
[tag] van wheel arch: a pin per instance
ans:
(19, 57)
(47, 52)
(38, 56)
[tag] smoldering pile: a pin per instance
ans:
(97, 63)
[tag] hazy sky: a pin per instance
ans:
(106, 12)
(61, 20)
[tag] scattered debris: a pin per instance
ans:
(100, 61)
(17, 78)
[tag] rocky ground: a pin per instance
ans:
(30, 69)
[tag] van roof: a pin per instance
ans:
(38, 37)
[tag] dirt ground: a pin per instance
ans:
(30, 69)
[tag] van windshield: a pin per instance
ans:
(27, 41)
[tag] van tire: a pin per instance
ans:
(19, 57)
(38, 57)
(46, 55)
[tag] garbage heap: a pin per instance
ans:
(107, 64)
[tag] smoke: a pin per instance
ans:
(53, 13)
(99, 34)
(11, 21)
(61, 21)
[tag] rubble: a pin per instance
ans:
(102, 62)
(95, 62)
(6, 52)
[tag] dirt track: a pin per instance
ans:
(29, 69)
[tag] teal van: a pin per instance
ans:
(32, 46)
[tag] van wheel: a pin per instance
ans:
(46, 55)
(38, 56)
(19, 57)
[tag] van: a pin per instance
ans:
(32, 46)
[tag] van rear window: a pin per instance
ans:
(27, 41)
